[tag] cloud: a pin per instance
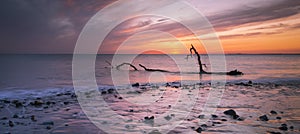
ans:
(246, 15)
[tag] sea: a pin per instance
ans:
(20, 73)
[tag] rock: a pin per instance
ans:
(48, 127)
(149, 118)
(15, 116)
(17, 103)
(215, 122)
(155, 132)
(201, 116)
(66, 102)
(273, 112)
(48, 103)
(274, 132)
(4, 118)
(278, 118)
(120, 98)
(103, 92)
(199, 130)
(204, 125)
(111, 90)
(291, 127)
(264, 118)
(135, 85)
(231, 113)
(37, 103)
(32, 117)
(10, 123)
(131, 110)
(168, 117)
(283, 128)
(48, 123)
(223, 120)
(214, 116)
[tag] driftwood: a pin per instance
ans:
(118, 67)
(201, 71)
(153, 70)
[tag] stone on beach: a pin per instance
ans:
(231, 113)
(264, 118)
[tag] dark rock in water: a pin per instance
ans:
(32, 117)
(110, 90)
(17, 103)
(66, 102)
(15, 116)
(274, 132)
(264, 118)
(120, 98)
(204, 125)
(131, 110)
(231, 113)
(214, 116)
(48, 127)
(291, 127)
(249, 82)
(215, 122)
(284, 128)
(103, 92)
(48, 103)
(234, 72)
(223, 120)
(10, 123)
(201, 116)
(4, 118)
(199, 130)
(168, 117)
(48, 123)
(135, 85)
(155, 132)
(6, 101)
(278, 118)
(273, 112)
(37, 103)
(149, 118)
(283, 125)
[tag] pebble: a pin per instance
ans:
(264, 118)
(135, 85)
(201, 116)
(214, 116)
(231, 113)
(199, 130)
(10, 123)
(278, 118)
(273, 112)
(48, 123)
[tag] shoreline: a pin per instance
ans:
(61, 113)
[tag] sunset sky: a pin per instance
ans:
(244, 26)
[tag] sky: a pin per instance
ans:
(243, 27)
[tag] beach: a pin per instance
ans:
(61, 113)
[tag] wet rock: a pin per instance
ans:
(223, 120)
(284, 128)
(6, 101)
(231, 113)
(199, 130)
(48, 103)
(149, 118)
(32, 117)
(201, 116)
(4, 118)
(48, 123)
(15, 116)
(274, 132)
(155, 132)
(17, 103)
(291, 127)
(103, 92)
(135, 85)
(264, 118)
(48, 127)
(168, 117)
(278, 118)
(131, 110)
(10, 123)
(111, 90)
(204, 125)
(66, 102)
(37, 103)
(214, 116)
(273, 112)
(120, 98)
(215, 122)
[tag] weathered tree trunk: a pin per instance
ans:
(152, 70)
(127, 64)
(198, 58)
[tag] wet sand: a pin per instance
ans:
(142, 106)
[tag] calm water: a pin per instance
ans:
(52, 71)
